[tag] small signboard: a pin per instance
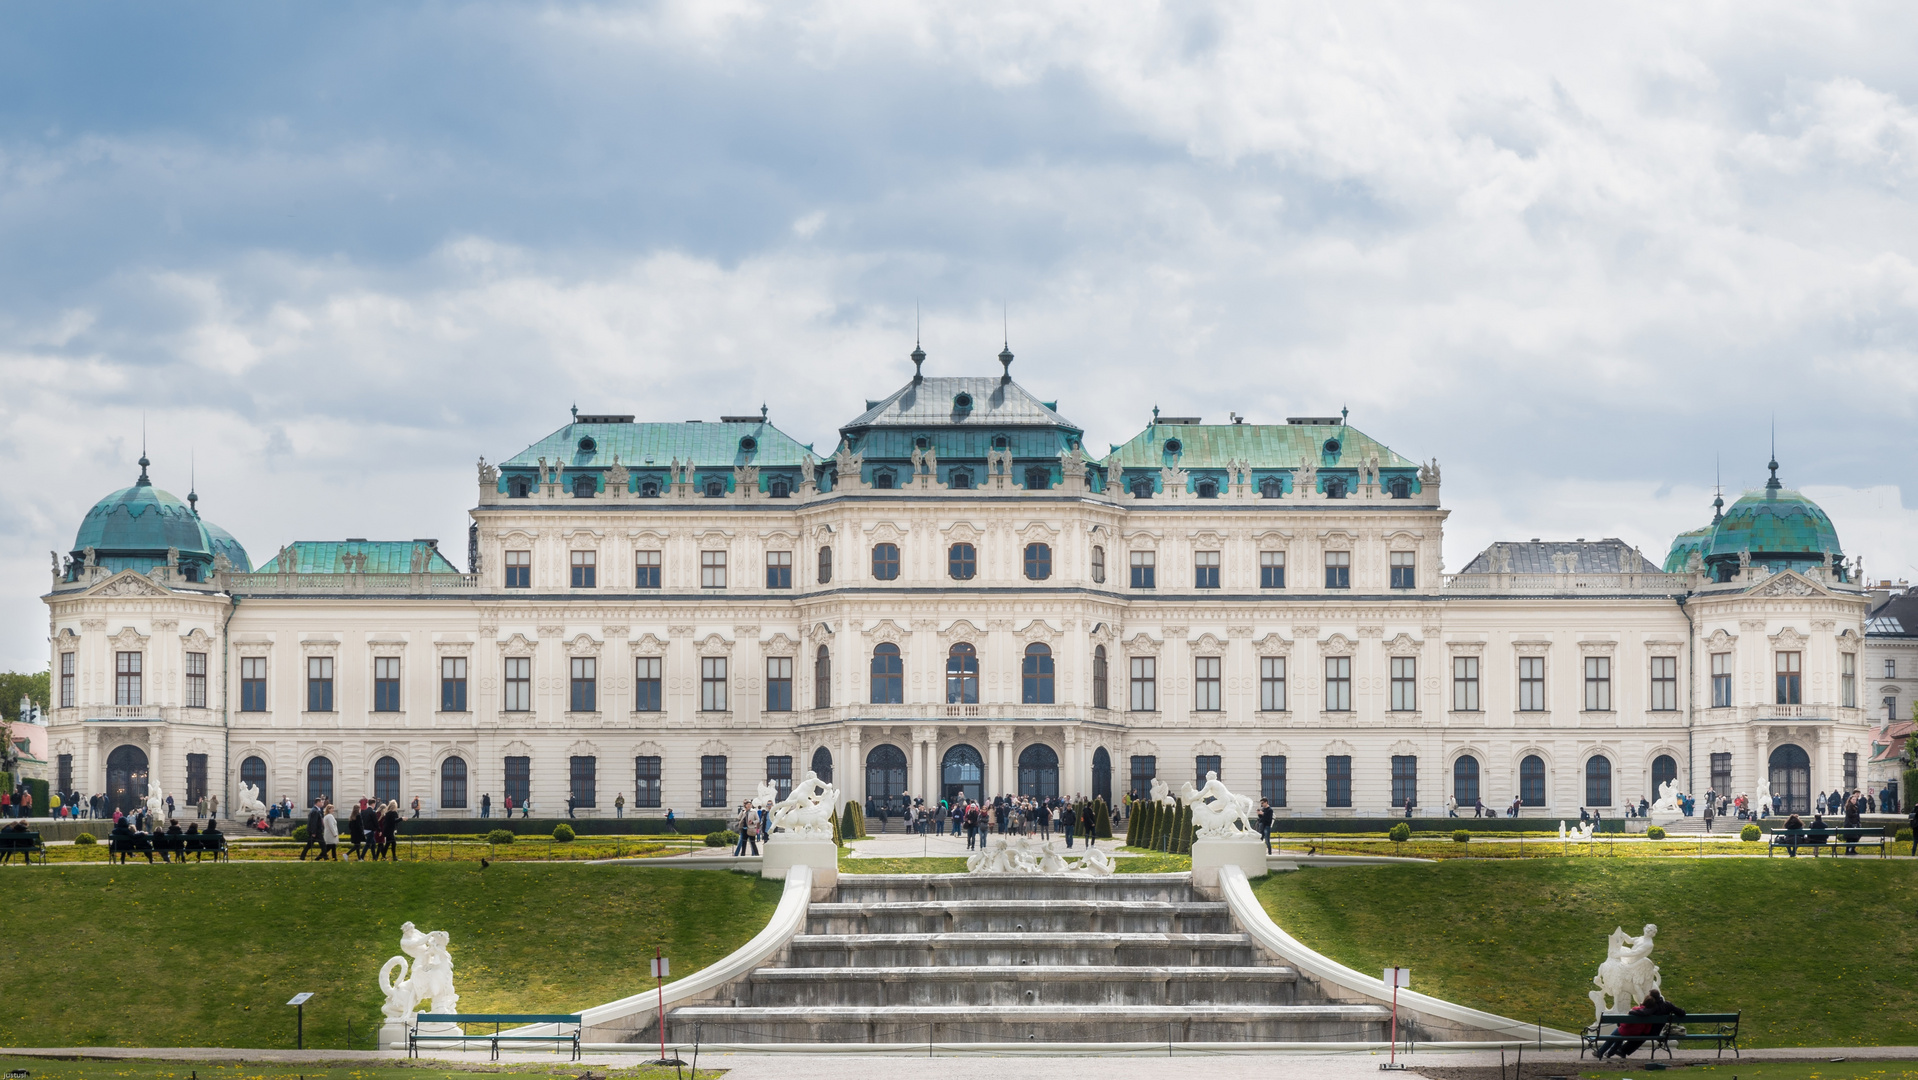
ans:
(662, 968)
(1398, 977)
(300, 999)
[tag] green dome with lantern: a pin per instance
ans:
(1774, 527)
(135, 527)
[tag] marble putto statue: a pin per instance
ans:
(1216, 812)
(425, 984)
(1026, 855)
(809, 810)
(1761, 802)
(1161, 792)
(1627, 974)
(1584, 831)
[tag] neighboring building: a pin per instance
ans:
(960, 599)
(1891, 670)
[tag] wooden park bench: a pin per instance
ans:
(1719, 1029)
(200, 845)
(125, 844)
(1833, 835)
(414, 1038)
(24, 844)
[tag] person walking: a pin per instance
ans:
(486, 806)
(619, 805)
(355, 831)
(313, 826)
(571, 801)
(1265, 823)
(329, 836)
(509, 808)
(1089, 823)
(1708, 815)
(390, 830)
(1069, 821)
(1853, 804)
(1914, 826)
(416, 808)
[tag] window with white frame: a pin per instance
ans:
(779, 569)
(712, 684)
(712, 569)
(1338, 569)
(1465, 684)
(646, 567)
(386, 684)
(1205, 683)
(126, 678)
(1598, 684)
(195, 680)
(647, 683)
(518, 685)
(1531, 684)
(1272, 684)
(1145, 684)
(1098, 565)
(1338, 684)
(1721, 680)
(1205, 569)
(67, 681)
(1664, 684)
(1848, 680)
(1404, 570)
(585, 569)
(1271, 569)
(1405, 684)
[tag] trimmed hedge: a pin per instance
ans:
(1102, 825)
(1749, 833)
(852, 821)
(563, 833)
(1655, 832)
(1331, 826)
(722, 838)
(1463, 836)
(86, 839)
(1400, 833)
(500, 836)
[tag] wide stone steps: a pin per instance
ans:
(881, 888)
(1019, 916)
(1050, 1023)
(1013, 949)
(1058, 984)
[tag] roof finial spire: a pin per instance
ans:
(1343, 413)
(1155, 414)
(575, 412)
(1773, 484)
(1005, 351)
(1718, 490)
(192, 483)
(143, 481)
(762, 412)
(918, 353)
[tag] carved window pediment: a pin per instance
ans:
(197, 640)
(713, 644)
(1338, 538)
(648, 644)
(713, 748)
(773, 537)
(1274, 748)
(129, 639)
(1405, 748)
(1207, 645)
(1037, 630)
(1141, 540)
(1531, 648)
(1465, 648)
(583, 537)
(1788, 638)
(1404, 534)
(518, 645)
(582, 748)
(582, 645)
(1206, 536)
(1336, 645)
(886, 532)
(887, 630)
(1404, 645)
(1143, 644)
(778, 645)
(1598, 648)
(320, 646)
(453, 648)
(1720, 640)
(1144, 748)
(1037, 530)
(963, 531)
(1209, 748)
(1664, 648)
(1338, 748)
(1275, 537)
(1273, 645)
(386, 647)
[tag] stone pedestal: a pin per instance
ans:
(1246, 852)
(785, 851)
(393, 1032)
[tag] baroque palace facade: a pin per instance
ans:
(960, 599)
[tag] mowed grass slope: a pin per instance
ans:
(1815, 952)
(208, 955)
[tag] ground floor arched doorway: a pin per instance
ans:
(1102, 775)
(1791, 779)
(126, 778)
(962, 773)
(1664, 771)
(1039, 771)
(886, 778)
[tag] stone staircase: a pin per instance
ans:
(917, 959)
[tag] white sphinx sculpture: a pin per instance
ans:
(1161, 792)
(1216, 812)
(809, 810)
(1668, 799)
(250, 804)
(1583, 832)
(1761, 802)
(425, 984)
(1025, 855)
(766, 796)
(156, 807)
(1627, 974)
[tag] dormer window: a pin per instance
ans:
(922, 442)
(1208, 489)
(1335, 488)
(748, 444)
(1142, 488)
(715, 487)
(882, 479)
(1332, 446)
(584, 487)
(1174, 446)
(1271, 488)
(1000, 442)
(959, 480)
(518, 487)
(1400, 488)
(587, 445)
(649, 489)
(962, 403)
(1038, 478)
(779, 488)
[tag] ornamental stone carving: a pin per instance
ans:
(1788, 585)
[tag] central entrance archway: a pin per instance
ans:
(126, 778)
(1791, 778)
(1038, 771)
(886, 778)
(962, 772)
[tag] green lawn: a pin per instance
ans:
(207, 956)
(1815, 953)
(148, 1069)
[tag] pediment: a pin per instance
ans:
(128, 583)
(1787, 583)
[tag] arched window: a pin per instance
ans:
(825, 565)
(1335, 488)
(959, 480)
(1039, 771)
(1142, 487)
(1099, 677)
(779, 487)
(962, 675)
(1208, 489)
(386, 780)
(253, 771)
(886, 776)
(888, 675)
(1789, 769)
(962, 562)
(822, 764)
(1465, 780)
(1531, 781)
(715, 487)
(1102, 775)
(518, 487)
(1664, 771)
(1038, 562)
(1271, 488)
(962, 773)
(1598, 781)
(453, 784)
(1400, 488)
(1038, 478)
(1035, 675)
(319, 780)
(822, 679)
(649, 489)
(584, 487)
(885, 561)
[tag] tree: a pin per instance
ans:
(14, 684)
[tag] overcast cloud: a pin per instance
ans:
(334, 254)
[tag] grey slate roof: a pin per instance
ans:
(930, 403)
(1896, 616)
(1608, 556)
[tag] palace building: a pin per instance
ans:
(963, 597)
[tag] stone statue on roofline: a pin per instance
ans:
(488, 474)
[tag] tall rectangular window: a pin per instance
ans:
(1206, 763)
(646, 775)
(1205, 683)
(1531, 684)
(1338, 684)
(319, 684)
(1405, 573)
(647, 683)
(1145, 570)
(712, 684)
(1721, 680)
(1851, 772)
(584, 685)
(825, 565)
(585, 569)
(452, 684)
(779, 569)
(779, 773)
(195, 680)
(1205, 569)
(1272, 684)
(519, 569)
(779, 684)
(712, 569)
(1722, 774)
(1338, 780)
(1848, 680)
(386, 684)
(68, 680)
(1790, 678)
(646, 567)
(519, 779)
(1338, 569)
(1272, 570)
(712, 781)
(126, 679)
(584, 777)
(1145, 684)
(1891, 669)
(1405, 684)
(519, 685)
(1272, 779)
(1405, 780)
(64, 772)
(1465, 684)
(1598, 684)
(1098, 565)
(252, 684)
(1145, 769)
(195, 777)
(1664, 684)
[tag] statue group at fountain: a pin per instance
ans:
(1628, 975)
(1027, 855)
(807, 811)
(424, 984)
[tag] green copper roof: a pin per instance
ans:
(1682, 547)
(970, 402)
(1266, 446)
(132, 529)
(1774, 521)
(341, 557)
(638, 446)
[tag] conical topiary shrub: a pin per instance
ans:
(1104, 822)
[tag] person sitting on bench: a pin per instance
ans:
(175, 842)
(6, 853)
(127, 842)
(1656, 1011)
(211, 839)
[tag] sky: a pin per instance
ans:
(1585, 256)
